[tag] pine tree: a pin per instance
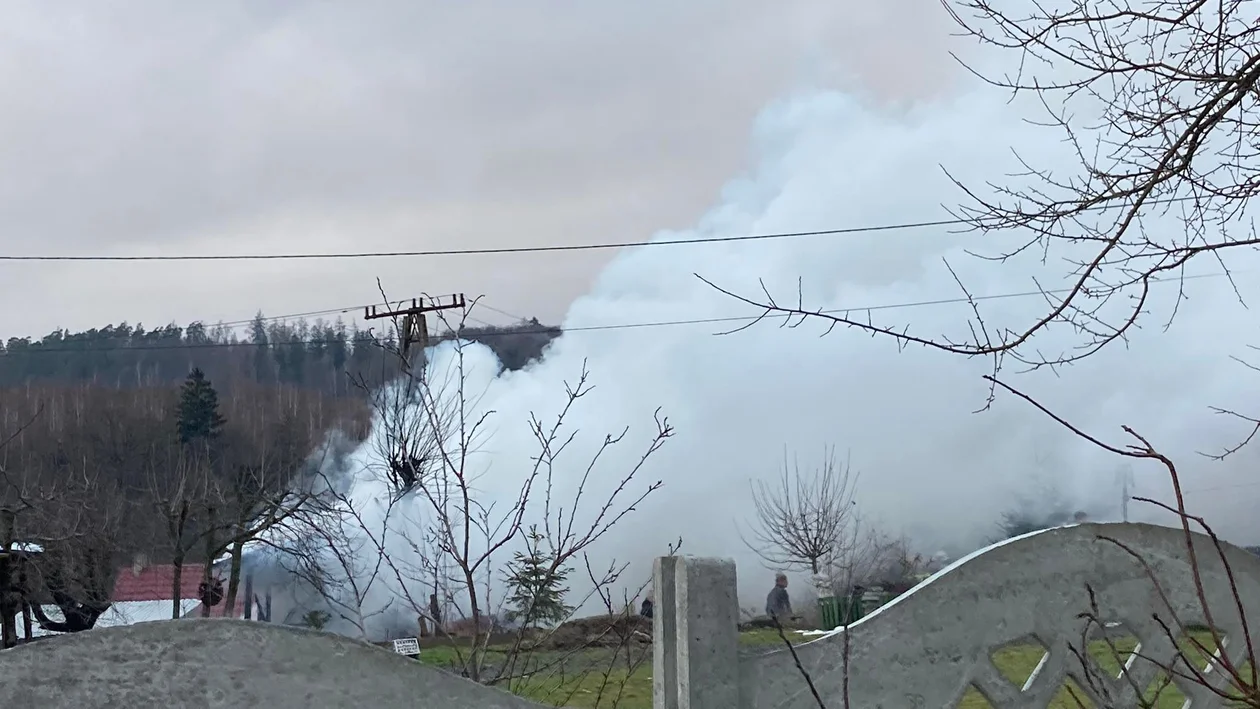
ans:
(199, 417)
(537, 591)
(262, 350)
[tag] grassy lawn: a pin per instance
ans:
(601, 678)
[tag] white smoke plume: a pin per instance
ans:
(930, 468)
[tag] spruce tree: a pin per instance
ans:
(536, 590)
(262, 350)
(199, 417)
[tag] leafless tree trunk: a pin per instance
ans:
(212, 550)
(284, 509)
(804, 518)
(81, 551)
(235, 554)
(178, 490)
(253, 502)
(10, 595)
(12, 498)
(176, 525)
(75, 516)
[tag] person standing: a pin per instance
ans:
(778, 605)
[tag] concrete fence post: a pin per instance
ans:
(695, 634)
(664, 635)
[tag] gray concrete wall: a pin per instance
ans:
(923, 650)
(928, 646)
(229, 664)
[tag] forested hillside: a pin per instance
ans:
(173, 442)
(312, 355)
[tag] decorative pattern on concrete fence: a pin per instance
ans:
(228, 664)
(932, 646)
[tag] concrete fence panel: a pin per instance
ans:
(928, 648)
(230, 664)
(933, 645)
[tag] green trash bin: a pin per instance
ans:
(873, 600)
(836, 611)
(852, 609)
(829, 612)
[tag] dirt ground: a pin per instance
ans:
(597, 631)
(602, 631)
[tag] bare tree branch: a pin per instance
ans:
(429, 426)
(1164, 175)
(1240, 687)
(804, 520)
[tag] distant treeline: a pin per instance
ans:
(320, 355)
(102, 451)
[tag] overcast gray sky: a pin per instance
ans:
(267, 126)
(273, 126)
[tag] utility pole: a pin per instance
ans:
(414, 327)
(1126, 481)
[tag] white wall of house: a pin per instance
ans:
(120, 613)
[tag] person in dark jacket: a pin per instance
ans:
(778, 605)
(646, 609)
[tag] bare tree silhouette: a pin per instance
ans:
(1158, 101)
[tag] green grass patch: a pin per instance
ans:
(602, 678)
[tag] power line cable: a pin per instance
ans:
(487, 250)
(504, 313)
(533, 249)
(286, 316)
(1220, 487)
(518, 318)
(35, 348)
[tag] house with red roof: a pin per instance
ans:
(146, 592)
(146, 584)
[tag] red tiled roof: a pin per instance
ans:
(154, 583)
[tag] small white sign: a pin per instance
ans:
(407, 646)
